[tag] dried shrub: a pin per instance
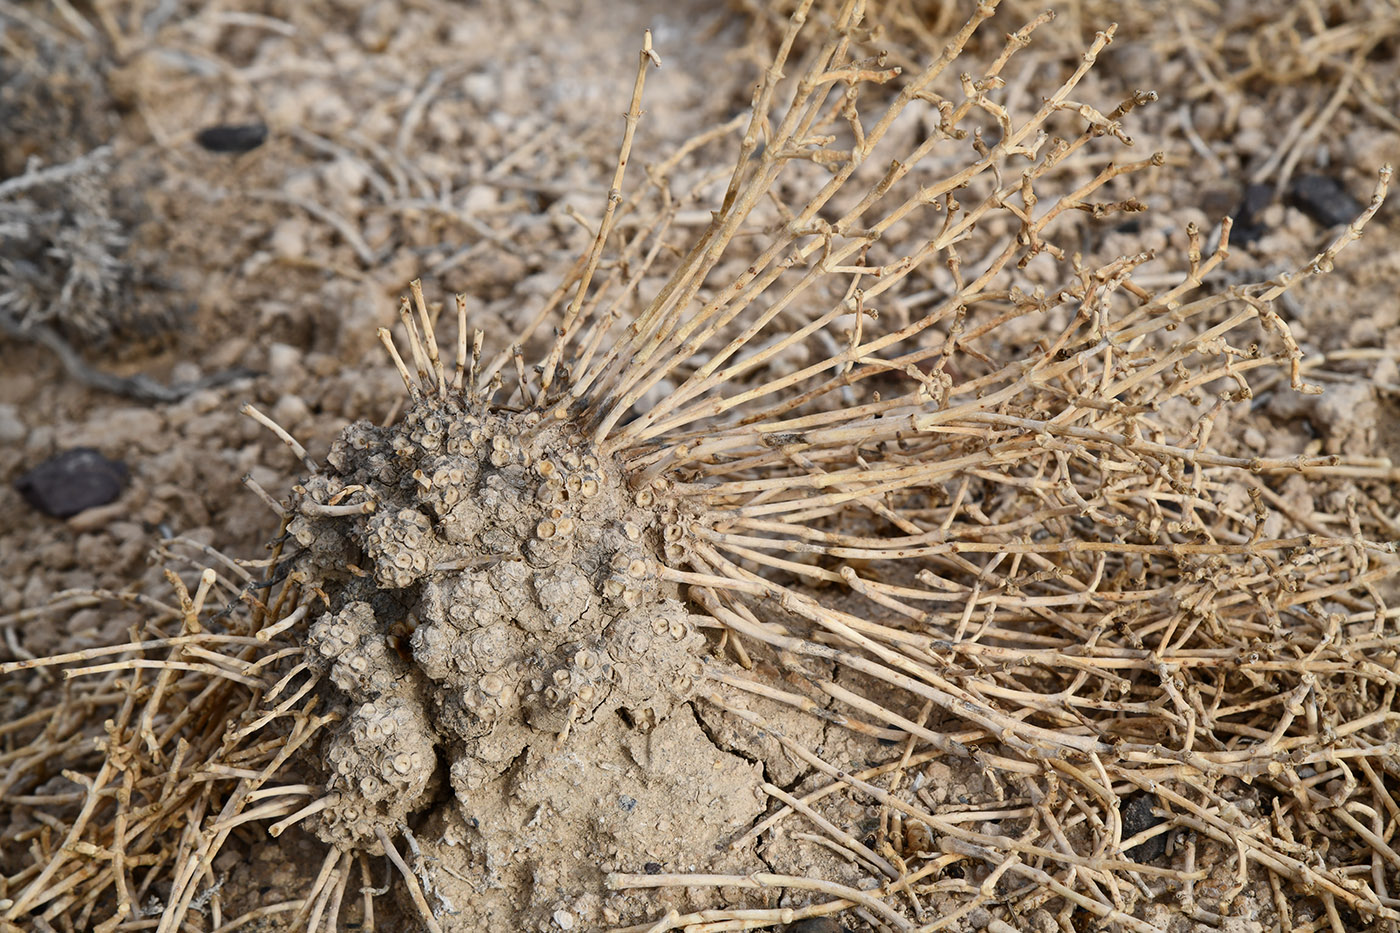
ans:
(70, 205)
(54, 101)
(62, 250)
(996, 523)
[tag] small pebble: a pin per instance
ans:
(185, 372)
(1137, 816)
(481, 88)
(72, 481)
(283, 360)
(346, 176)
(232, 137)
(12, 429)
(1324, 199)
(291, 412)
(814, 925)
(1249, 222)
(481, 198)
(564, 919)
(97, 518)
(120, 428)
(288, 240)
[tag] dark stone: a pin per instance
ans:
(1248, 225)
(1324, 199)
(72, 481)
(652, 868)
(1137, 816)
(815, 925)
(232, 137)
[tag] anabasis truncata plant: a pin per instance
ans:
(524, 578)
(755, 481)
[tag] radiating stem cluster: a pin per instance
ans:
(1002, 525)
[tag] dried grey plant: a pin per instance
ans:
(66, 278)
(70, 279)
(60, 248)
(987, 525)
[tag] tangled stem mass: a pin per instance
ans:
(996, 524)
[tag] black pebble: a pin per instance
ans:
(1137, 816)
(815, 925)
(1248, 226)
(1323, 199)
(74, 480)
(232, 137)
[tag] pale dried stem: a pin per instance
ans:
(595, 254)
(618, 881)
(415, 891)
(282, 435)
(739, 291)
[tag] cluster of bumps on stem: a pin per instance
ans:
(1021, 552)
